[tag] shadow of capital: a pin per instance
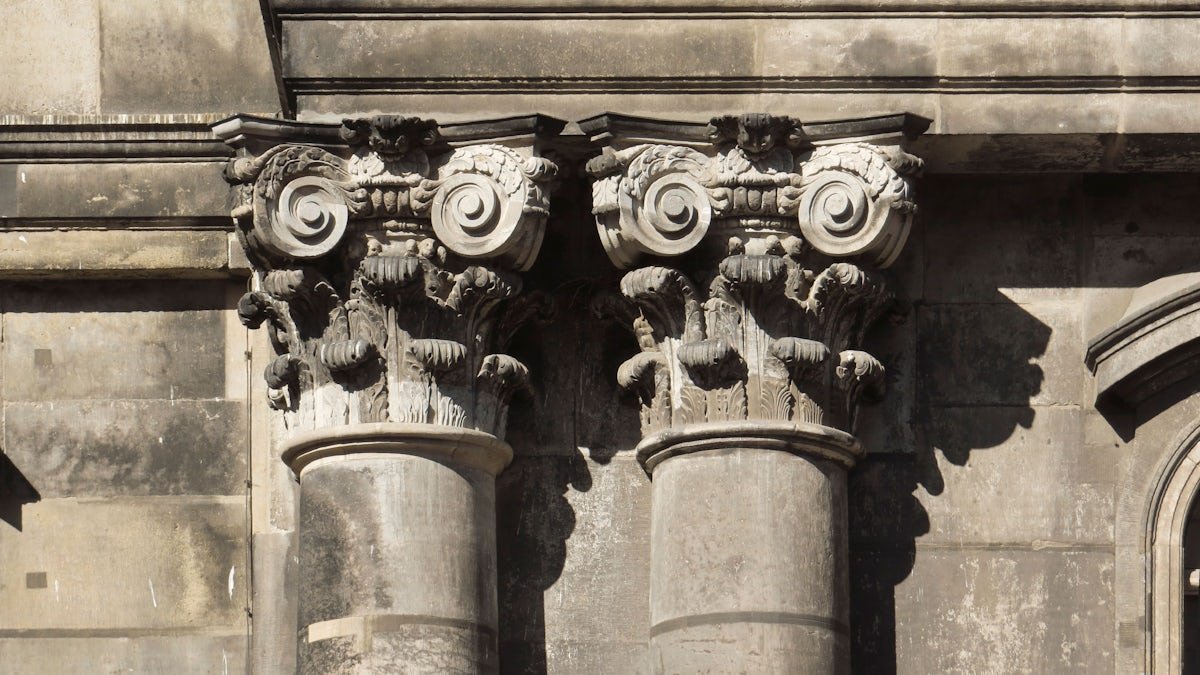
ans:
(15, 492)
(976, 377)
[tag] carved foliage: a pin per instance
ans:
(765, 344)
(408, 341)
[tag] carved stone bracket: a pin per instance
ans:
(385, 252)
(785, 225)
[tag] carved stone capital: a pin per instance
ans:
(386, 253)
(785, 226)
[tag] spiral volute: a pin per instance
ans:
(842, 215)
(671, 217)
(472, 217)
(308, 219)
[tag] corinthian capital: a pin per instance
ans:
(386, 252)
(786, 226)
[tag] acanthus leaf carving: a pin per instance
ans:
(738, 354)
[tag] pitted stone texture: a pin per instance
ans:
(971, 254)
(1019, 610)
(204, 654)
(120, 566)
(1000, 484)
(399, 535)
(733, 647)
(146, 190)
(105, 56)
(1000, 354)
(75, 86)
(128, 448)
(767, 563)
(219, 60)
(114, 340)
(574, 551)
(115, 254)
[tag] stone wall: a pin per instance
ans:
(983, 519)
(991, 522)
(125, 388)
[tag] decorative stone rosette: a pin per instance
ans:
(785, 237)
(761, 177)
(383, 273)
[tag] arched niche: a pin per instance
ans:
(1147, 368)
(1168, 514)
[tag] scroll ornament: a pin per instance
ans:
(480, 202)
(385, 273)
(762, 178)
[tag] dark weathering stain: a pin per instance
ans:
(1138, 255)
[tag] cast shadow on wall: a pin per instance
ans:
(574, 410)
(972, 390)
(15, 492)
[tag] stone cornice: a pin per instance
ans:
(121, 139)
(624, 130)
(256, 133)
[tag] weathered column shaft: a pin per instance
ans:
(747, 554)
(385, 255)
(750, 369)
(398, 556)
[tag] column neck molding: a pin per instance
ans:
(755, 246)
(387, 254)
(464, 447)
(812, 440)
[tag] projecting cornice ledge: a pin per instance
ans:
(1155, 345)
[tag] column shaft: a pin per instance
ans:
(749, 552)
(398, 551)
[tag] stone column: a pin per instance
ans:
(386, 254)
(750, 371)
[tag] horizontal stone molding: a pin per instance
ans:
(309, 9)
(457, 446)
(809, 621)
(123, 138)
(798, 438)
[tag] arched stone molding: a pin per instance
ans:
(1154, 345)
(1174, 492)
(1146, 365)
